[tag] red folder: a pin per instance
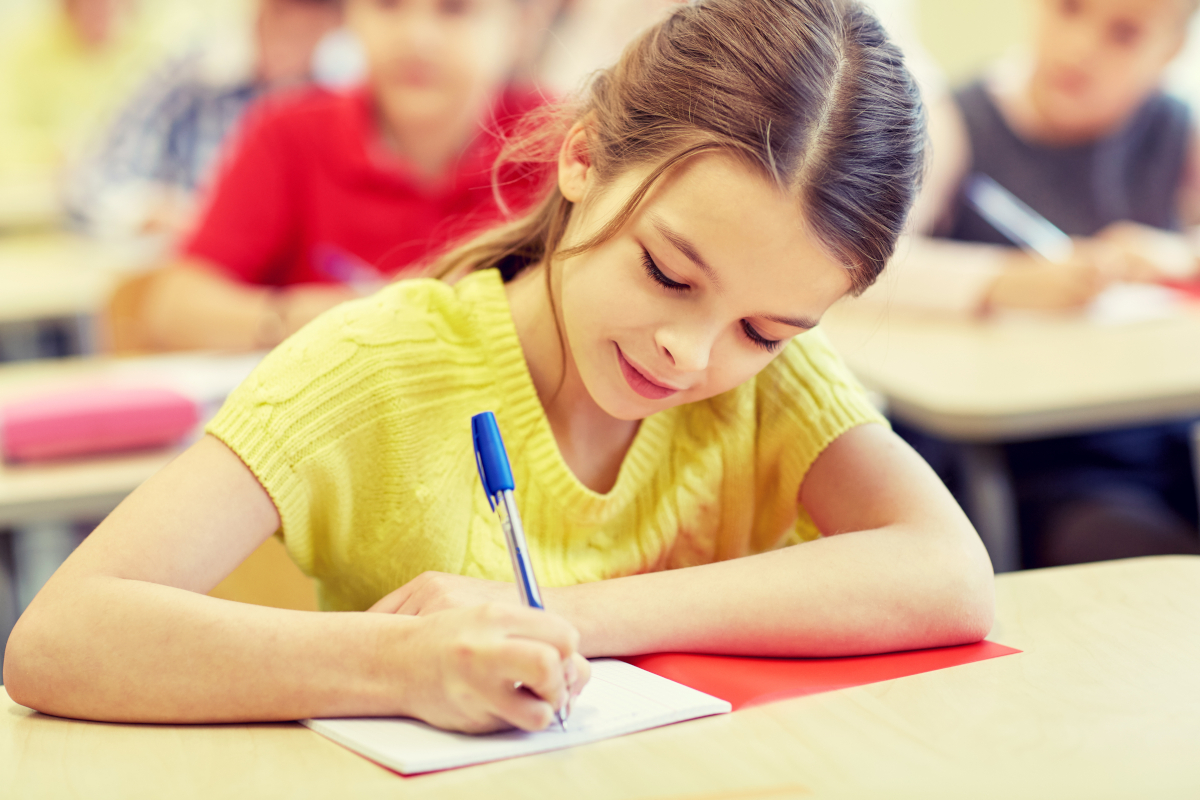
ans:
(748, 681)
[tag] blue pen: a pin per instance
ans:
(496, 474)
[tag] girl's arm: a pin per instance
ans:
(898, 567)
(124, 631)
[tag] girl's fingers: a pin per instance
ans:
(519, 707)
(389, 603)
(543, 626)
(537, 669)
(579, 672)
(498, 666)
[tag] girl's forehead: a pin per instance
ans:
(719, 212)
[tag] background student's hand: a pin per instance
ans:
(1028, 282)
(1150, 254)
(491, 667)
(300, 305)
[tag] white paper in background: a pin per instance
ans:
(619, 699)
(1119, 304)
(1125, 303)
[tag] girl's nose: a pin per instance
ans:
(688, 349)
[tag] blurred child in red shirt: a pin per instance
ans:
(325, 194)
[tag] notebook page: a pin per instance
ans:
(619, 699)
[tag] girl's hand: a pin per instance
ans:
(438, 591)
(491, 667)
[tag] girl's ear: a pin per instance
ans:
(575, 174)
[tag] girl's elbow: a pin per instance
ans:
(36, 665)
(21, 679)
(977, 621)
(975, 602)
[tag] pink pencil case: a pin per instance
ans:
(91, 420)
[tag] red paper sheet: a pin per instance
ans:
(747, 681)
(1190, 288)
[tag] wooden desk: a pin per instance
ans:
(985, 383)
(977, 381)
(1103, 703)
(90, 488)
(63, 278)
(29, 202)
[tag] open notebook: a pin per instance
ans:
(619, 699)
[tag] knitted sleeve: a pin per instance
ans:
(806, 398)
(319, 419)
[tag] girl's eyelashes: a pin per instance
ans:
(770, 345)
(657, 275)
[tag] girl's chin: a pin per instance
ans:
(621, 403)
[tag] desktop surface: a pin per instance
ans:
(1027, 378)
(1103, 702)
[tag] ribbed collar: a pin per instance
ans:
(530, 441)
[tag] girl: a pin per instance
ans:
(696, 469)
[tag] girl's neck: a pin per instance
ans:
(592, 443)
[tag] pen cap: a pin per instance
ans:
(490, 455)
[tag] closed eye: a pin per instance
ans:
(657, 275)
(770, 345)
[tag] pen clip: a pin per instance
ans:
(479, 464)
(490, 457)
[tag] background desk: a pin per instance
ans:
(29, 202)
(62, 279)
(44, 503)
(1103, 703)
(987, 383)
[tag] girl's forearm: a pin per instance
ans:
(123, 650)
(865, 592)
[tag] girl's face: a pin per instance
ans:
(431, 59)
(704, 286)
(1098, 60)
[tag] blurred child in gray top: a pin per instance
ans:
(1077, 127)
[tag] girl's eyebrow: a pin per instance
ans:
(685, 247)
(689, 250)
(807, 323)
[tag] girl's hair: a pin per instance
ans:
(809, 92)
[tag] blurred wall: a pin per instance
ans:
(964, 35)
(179, 22)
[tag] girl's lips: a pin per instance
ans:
(640, 383)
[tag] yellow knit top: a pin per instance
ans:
(359, 428)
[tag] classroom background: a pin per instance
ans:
(63, 283)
